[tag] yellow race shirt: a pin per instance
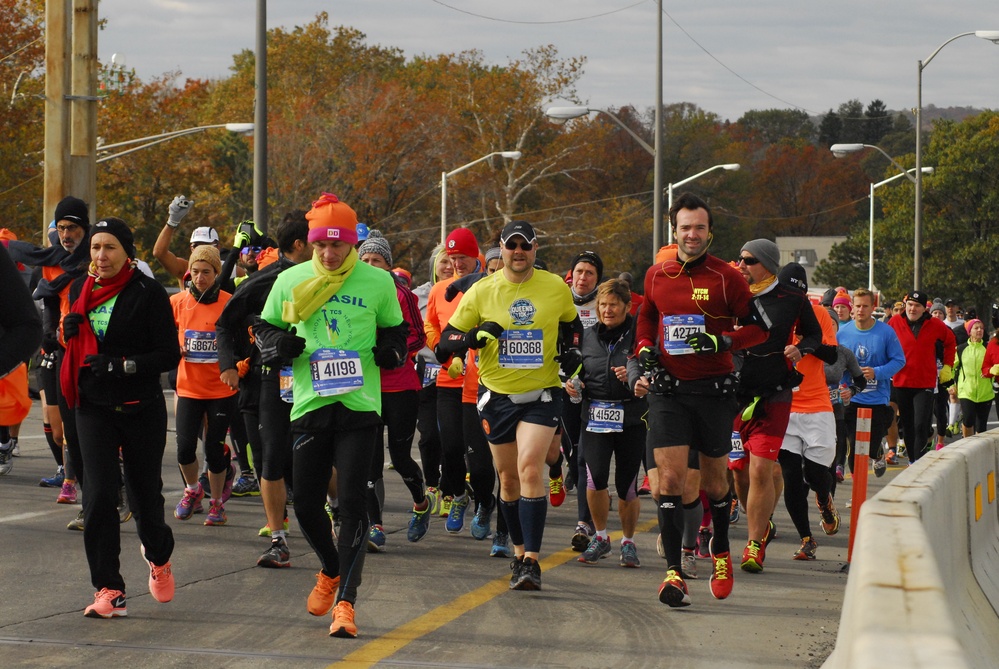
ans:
(523, 358)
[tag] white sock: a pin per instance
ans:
(627, 540)
(603, 534)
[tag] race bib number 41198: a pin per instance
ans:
(335, 371)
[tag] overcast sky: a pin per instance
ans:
(727, 56)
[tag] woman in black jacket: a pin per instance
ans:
(613, 406)
(120, 337)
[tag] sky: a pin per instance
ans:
(726, 56)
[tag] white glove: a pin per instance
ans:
(178, 210)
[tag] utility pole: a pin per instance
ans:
(260, 214)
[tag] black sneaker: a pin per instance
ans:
(529, 577)
(879, 467)
(516, 566)
(276, 556)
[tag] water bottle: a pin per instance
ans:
(844, 400)
(577, 386)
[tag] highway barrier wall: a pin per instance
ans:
(923, 589)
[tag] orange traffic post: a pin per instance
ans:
(861, 456)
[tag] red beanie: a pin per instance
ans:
(332, 220)
(462, 241)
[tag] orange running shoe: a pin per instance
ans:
(323, 595)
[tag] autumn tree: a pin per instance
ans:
(771, 126)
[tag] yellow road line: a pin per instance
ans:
(395, 640)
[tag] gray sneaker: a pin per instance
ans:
(629, 555)
(688, 563)
(597, 550)
(76, 523)
(15, 448)
(6, 460)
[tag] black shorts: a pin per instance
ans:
(701, 422)
(500, 416)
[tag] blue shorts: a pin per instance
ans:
(500, 415)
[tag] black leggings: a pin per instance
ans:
(976, 414)
(799, 475)
(190, 415)
(334, 436)
(430, 436)
(141, 434)
(275, 432)
(478, 457)
(915, 413)
(399, 414)
(453, 445)
(627, 449)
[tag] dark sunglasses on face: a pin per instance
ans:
(749, 261)
(251, 250)
(512, 245)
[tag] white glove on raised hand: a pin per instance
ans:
(178, 210)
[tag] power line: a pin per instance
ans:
(17, 51)
(536, 23)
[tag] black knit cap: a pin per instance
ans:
(592, 258)
(792, 274)
(118, 228)
(73, 209)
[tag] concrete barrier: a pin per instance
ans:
(923, 589)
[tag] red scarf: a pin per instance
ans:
(95, 293)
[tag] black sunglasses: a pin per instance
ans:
(749, 261)
(512, 245)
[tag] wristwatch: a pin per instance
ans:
(129, 366)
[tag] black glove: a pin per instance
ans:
(71, 325)
(481, 335)
(702, 342)
(103, 365)
(386, 357)
(570, 361)
(50, 345)
(290, 346)
(648, 359)
(443, 355)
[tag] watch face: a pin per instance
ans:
(130, 366)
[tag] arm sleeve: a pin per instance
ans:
(20, 324)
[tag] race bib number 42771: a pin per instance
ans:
(676, 330)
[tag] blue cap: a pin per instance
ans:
(362, 231)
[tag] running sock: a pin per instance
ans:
(720, 512)
(692, 513)
(671, 526)
(555, 469)
(603, 534)
(627, 540)
(511, 514)
(53, 446)
(533, 511)
(279, 535)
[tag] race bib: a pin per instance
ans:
(587, 316)
(286, 384)
(430, 374)
(201, 346)
(737, 452)
(834, 394)
(606, 417)
(872, 385)
(676, 330)
(335, 371)
(521, 349)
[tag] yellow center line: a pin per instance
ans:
(395, 640)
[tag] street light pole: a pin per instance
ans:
(152, 140)
(917, 243)
(512, 155)
(657, 154)
(727, 166)
(870, 234)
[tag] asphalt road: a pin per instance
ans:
(440, 602)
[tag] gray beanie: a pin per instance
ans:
(493, 254)
(766, 252)
(376, 243)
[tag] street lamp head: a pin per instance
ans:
(927, 170)
(512, 155)
(563, 114)
(732, 167)
(990, 35)
(239, 128)
(840, 150)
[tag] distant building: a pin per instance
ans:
(807, 252)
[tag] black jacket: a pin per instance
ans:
(602, 349)
(141, 328)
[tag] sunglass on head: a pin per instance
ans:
(512, 245)
(749, 261)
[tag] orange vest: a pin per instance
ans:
(198, 373)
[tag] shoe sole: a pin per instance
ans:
(752, 566)
(272, 564)
(527, 585)
(343, 633)
(802, 557)
(113, 614)
(580, 542)
(673, 596)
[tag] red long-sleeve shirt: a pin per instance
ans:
(705, 287)
(920, 369)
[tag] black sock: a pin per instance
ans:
(671, 527)
(720, 512)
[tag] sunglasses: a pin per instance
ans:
(512, 245)
(248, 250)
(749, 261)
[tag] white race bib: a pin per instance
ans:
(676, 330)
(605, 417)
(335, 371)
(201, 347)
(521, 349)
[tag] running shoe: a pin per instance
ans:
(420, 523)
(444, 508)
(673, 591)
(246, 485)
(688, 563)
(556, 490)
(190, 503)
(203, 480)
(276, 556)
(629, 555)
(107, 604)
(77, 523)
(840, 474)
(806, 551)
(216, 514)
(376, 539)
(581, 537)
(323, 594)
(645, 489)
(890, 457)
(124, 513)
(230, 478)
(265, 531)
(830, 517)
(68, 493)
(752, 557)
(15, 447)
(516, 567)
(733, 515)
(501, 545)
(704, 543)
(435, 499)
(54, 481)
(721, 574)
(343, 621)
(6, 460)
(480, 522)
(161, 583)
(456, 517)
(596, 551)
(528, 576)
(770, 534)
(880, 466)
